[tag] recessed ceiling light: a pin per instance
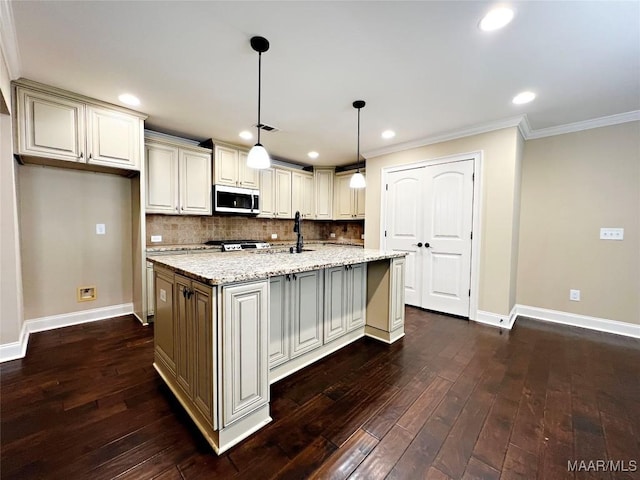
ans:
(129, 99)
(524, 97)
(496, 19)
(246, 134)
(313, 154)
(388, 134)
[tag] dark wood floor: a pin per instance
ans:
(453, 399)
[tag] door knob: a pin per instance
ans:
(426, 245)
(419, 244)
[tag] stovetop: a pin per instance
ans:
(235, 245)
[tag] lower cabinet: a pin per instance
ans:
(184, 338)
(345, 299)
(245, 349)
(296, 308)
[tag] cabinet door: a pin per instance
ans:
(226, 166)
(202, 350)
(267, 191)
(50, 126)
(162, 178)
(343, 198)
(356, 295)
(359, 196)
(397, 293)
(195, 183)
(113, 138)
(164, 328)
(335, 318)
(246, 349)
(283, 193)
(302, 194)
(247, 177)
(278, 322)
(323, 182)
(184, 335)
(306, 312)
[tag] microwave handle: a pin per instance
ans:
(254, 202)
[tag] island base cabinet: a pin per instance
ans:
(345, 300)
(245, 349)
(385, 300)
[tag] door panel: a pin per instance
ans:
(307, 315)
(404, 225)
(335, 322)
(448, 213)
(195, 183)
(278, 322)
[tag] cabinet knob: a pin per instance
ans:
(176, 209)
(90, 156)
(182, 208)
(81, 155)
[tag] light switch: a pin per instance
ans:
(101, 229)
(612, 234)
(163, 295)
(574, 295)
(156, 238)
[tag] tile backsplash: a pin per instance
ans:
(182, 230)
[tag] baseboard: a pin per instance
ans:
(495, 319)
(576, 320)
(15, 350)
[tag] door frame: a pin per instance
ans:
(476, 223)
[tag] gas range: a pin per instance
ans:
(236, 245)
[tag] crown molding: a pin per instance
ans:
(9, 40)
(524, 127)
(445, 137)
(607, 121)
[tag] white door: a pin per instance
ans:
(404, 218)
(448, 210)
(429, 216)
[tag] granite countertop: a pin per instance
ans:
(276, 244)
(216, 268)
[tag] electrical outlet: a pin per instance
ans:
(574, 295)
(332, 235)
(274, 236)
(156, 238)
(86, 294)
(101, 229)
(362, 236)
(612, 234)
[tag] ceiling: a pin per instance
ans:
(424, 68)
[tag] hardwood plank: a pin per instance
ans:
(416, 416)
(341, 463)
(478, 470)
(519, 464)
(307, 460)
(383, 457)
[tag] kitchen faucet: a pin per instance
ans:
(297, 228)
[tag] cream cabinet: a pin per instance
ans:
(184, 339)
(275, 193)
(349, 203)
(231, 168)
(302, 194)
(62, 126)
(178, 179)
(150, 290)
(323, 189)
(245, 349)
(345, 299)
(296, 315)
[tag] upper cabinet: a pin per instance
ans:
(323, 185)
(231, 168)
(348, 202)
(302, 193)
(56, 125)
(178, 178)
(275, 193)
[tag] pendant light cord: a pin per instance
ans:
(259, 88)
(358, 159)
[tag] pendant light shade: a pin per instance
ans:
(357, 180)
(258, 156)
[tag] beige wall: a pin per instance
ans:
(11, 309)
(59, 210)
(499, 191)
(573, 185)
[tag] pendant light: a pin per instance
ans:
(258, 156)
(357, 180)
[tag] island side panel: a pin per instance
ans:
(385, 300)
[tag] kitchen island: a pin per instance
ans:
(227, 325)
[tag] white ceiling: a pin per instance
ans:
(424, 68)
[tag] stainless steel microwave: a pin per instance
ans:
(236, 200)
